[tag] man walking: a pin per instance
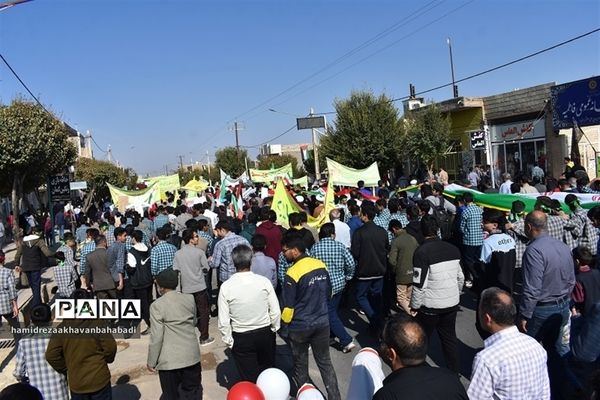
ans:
(306, 293)
(340, 265)
(548, 280)
(192, 264)
(512, 365)
(30, 259)
(116, 257)
(437, 282)
(249, 316)
(369, 248)
(221, 256)
(472, 238)
(98, 273)
(173, 350)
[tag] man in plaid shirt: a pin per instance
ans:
(340, 265)
(472, 237)
(221, 255)
(31, 364)
(162, 255)
(161, 219)
(512, 365)
(86, 248)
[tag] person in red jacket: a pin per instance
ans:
(271, 232)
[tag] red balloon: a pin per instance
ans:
(245, 391)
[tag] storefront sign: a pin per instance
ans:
(477, 140)
(577, 101)
(523, 130)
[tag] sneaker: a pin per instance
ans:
(348, 348)
(468, 284)
(207, 341)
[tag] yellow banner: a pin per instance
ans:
(284, 204)
(165, 183)
(271, 175)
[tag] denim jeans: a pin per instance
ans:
(318, 339)
(35, 283)
(549, 324)
(336, 326)
(370, 298)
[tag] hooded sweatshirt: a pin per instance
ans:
(30, 254)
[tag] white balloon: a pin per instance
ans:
(274, 384)
(309, 392)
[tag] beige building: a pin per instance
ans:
(294, 150)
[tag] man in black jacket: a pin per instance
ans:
(404, 349)
(370, 248)
(31, 259)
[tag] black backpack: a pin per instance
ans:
(444, 219)
(141, 276)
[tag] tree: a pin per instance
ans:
(97, 174)
(427, 134)
(367, 129)
(34, 144)
(229, 161)
(278, 161)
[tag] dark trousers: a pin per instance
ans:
(318, 339)
(202, 313)
(106, 294)
(13, 322)
(253, 352)
(145, 296)
(182, 383)
(470, 262)
(103, 394)
(35, 282)
(369, 295)
(335, 324)
(445, 325)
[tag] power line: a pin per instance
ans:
(397, 25)
(24, 85)
(97, 145)
(270, 140)
(487, 71)
(377, 52)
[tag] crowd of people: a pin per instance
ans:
(403, 257)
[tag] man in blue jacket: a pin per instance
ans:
(306, 293)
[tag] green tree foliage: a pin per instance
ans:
(427, 134)
(367, 129)
(34, 144)
(229, 161)
(278, 161)
(97, 174)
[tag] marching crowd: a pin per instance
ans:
(405, 258)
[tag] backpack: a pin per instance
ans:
(141, 276)
(444, 219)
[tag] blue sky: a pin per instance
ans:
(159, 79)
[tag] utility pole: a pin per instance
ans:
(109, 154)
(208, 162)
(236, 129)
(166, 169)
(454, 86)
(315, 151)
(181, 162)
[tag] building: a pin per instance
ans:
(299, 151)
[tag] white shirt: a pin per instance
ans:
(342, 232)
(505, 187)
(247, 301)
(511, 366)
(214, 217)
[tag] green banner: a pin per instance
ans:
(271, 175)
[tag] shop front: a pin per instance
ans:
(518, 146)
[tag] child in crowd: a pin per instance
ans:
(65, 277)
(9, 309)
(587, 287)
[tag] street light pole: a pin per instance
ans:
(315, 150)
(454, 86)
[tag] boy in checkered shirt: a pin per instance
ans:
(65, 277)
(9, 309)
